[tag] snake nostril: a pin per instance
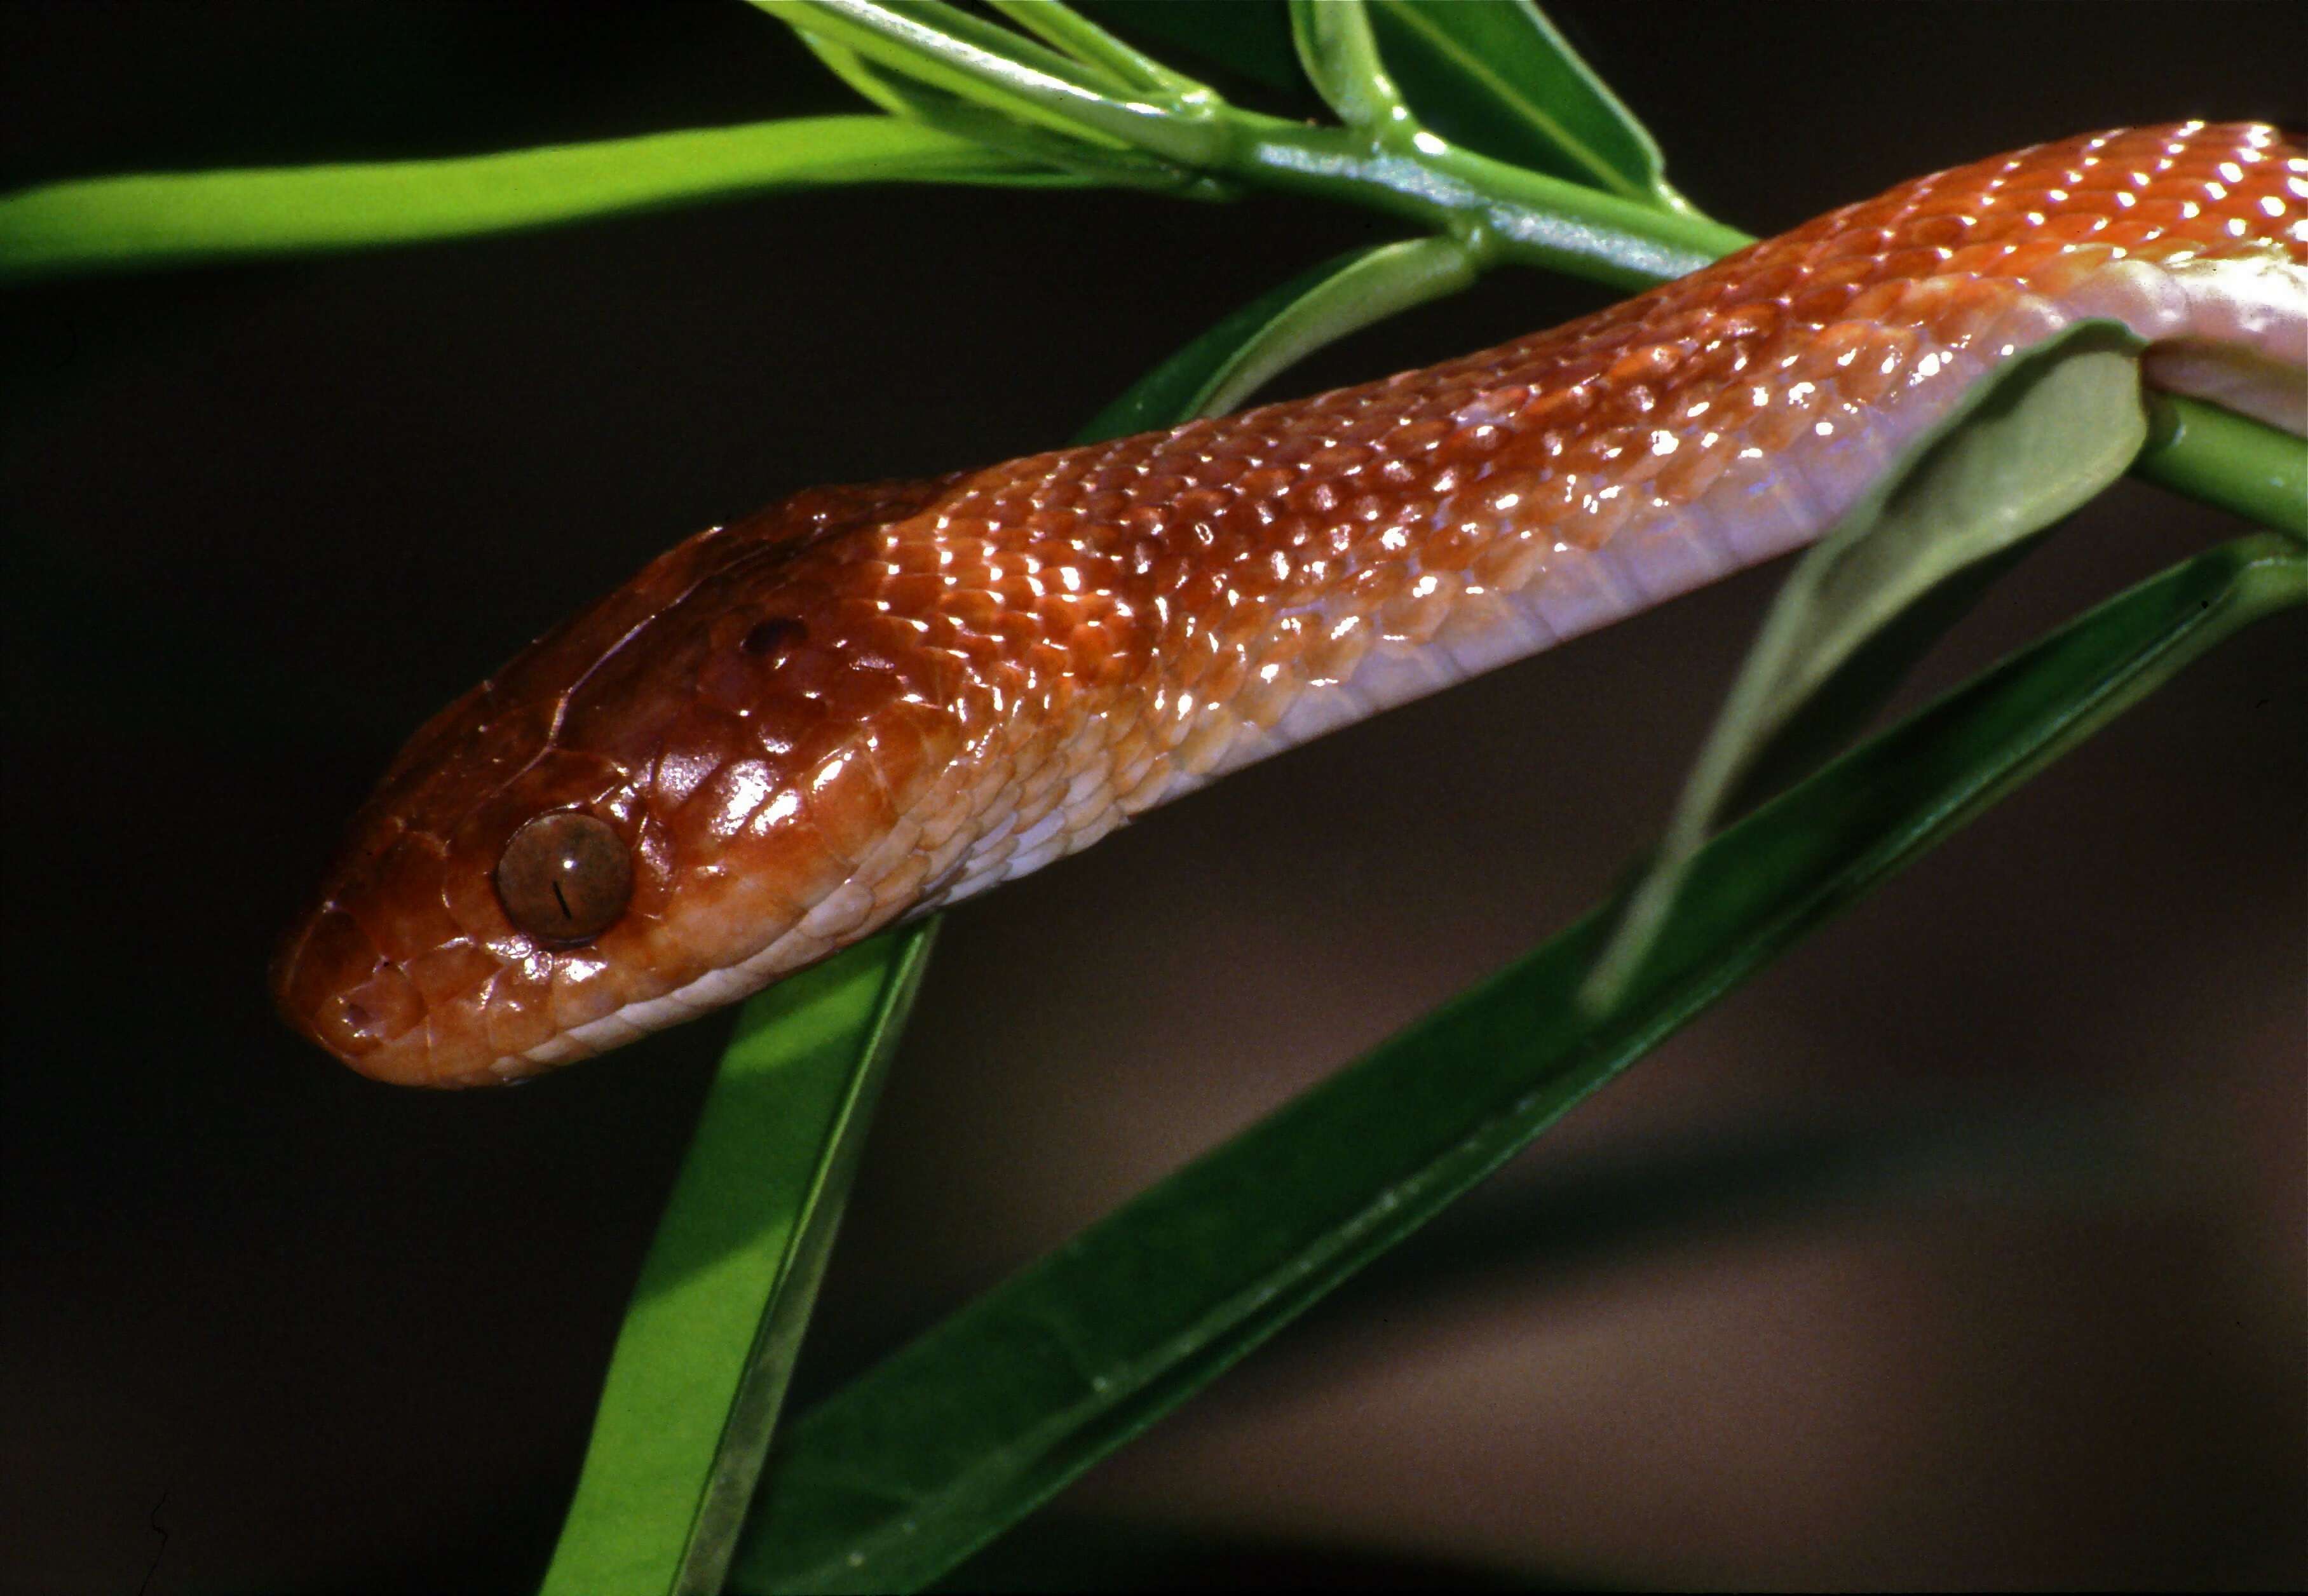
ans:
(779, 631)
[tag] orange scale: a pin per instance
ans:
(2024, 261)
(1822, 304)
(1847, 274)
(1420, 434)
(515, 1012)
(1776, 427)
(1943, 230)
(1692, 471)
(1840, 343)
(1016, 629)
(1884, 357)
(847, 805)
(1454, 545)
(1048, 667)
(469, 892)
(416, 916)
(1880, 302)
(448, 971)
(785, 726)
(721, 805)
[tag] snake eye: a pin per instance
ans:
(564, 877)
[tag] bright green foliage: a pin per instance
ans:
(701, 1364)
(109, 224)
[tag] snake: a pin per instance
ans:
(868, 702)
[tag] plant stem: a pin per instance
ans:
(1503, 212)
(2242, 466)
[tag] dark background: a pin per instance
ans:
(1971, 1243)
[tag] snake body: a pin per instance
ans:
(866, 702)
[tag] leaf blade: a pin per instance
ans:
(1339, 55)
(1216, 371)
(1500, 78)
(2046, 432)
(930, 1454)
(699, 1372)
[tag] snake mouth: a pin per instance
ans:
(414, 969)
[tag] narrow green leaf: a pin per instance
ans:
(2048, 433)
(961, 54)
(1376, 283)
(701, 1365)
(1000, 134)
(936, 1450)
(1496, 76)
(101, 224)
(1248, 38)
(1234, 359)
(1334, 44)
(1085, 41)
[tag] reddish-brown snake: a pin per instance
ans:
(867, 702)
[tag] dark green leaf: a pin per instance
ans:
(702, 1361)
(1248, 38)
(1233, 359)
(913, 1466)
(2046, 432)
(1495, 76)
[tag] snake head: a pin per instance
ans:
(683, 793)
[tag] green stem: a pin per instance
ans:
(2242, 466)
(1503, 213)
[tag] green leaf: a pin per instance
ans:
(1334, 44)
(1496, 76)
(1086, 42)
(139, 222)
(1248, 38)
(992, 66)
(1000, 133)
(936, 1450)
(700, 1366)
(1234, 359)
(2026, 446)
